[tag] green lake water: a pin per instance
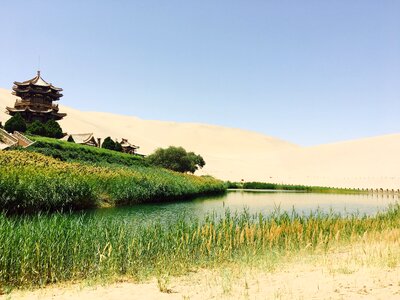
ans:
(254, 202)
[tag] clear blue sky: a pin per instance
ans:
(309, 72)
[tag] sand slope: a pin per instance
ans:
(235, 154)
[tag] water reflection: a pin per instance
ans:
(255, 202)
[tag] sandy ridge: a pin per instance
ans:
(235, 154)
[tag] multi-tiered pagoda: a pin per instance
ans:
(36, 101)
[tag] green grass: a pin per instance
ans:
(32, 182)
(71, 152)
(292, 187)
(45, 249)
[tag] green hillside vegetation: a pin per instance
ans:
(32, 182)
(71, 152)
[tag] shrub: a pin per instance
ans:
(108, 143)
(50, 129)
(53, 129)
(176, 159)
(118, 147)
(36, 128)
(15, 123)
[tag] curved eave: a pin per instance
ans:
(130, 147)
(13, 109)
(21, 93)
(21, 83)
(26, 109)
(62, 115)
(38, 81)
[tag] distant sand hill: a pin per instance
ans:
(235, 154)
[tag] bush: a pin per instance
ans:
(53, 129)
(176, 159)
(108, 143)
(15, 123)
(118, 147)
(50, 129)
(36, 128)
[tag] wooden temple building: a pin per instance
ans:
(16, 139)
(36, 101)
(128, 147)
(83, 139)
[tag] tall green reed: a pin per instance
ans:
(44, 249)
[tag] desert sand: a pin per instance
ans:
(235, 154)
(300, 282)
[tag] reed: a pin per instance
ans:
(45, 249)
(32, 182)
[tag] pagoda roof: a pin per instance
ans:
(48, 111)
(19, 92)
(37, 81)
(80, 138)
(126, 144)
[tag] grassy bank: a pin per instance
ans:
(32, 182)
(48, 249)
(292, 187)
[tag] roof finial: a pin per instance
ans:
(38, 72)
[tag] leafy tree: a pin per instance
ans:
(53, 129)
(15, 123)
(108, 143)
(36, 128)
(176, 159)
(118, 147)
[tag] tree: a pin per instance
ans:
(36, 128)
(108, 143)
(176, 159)
(15, 123)
(53, 129)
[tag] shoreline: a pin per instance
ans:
(361, 269)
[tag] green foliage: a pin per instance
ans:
(118, 147)
(176, 159)
(291, 187)
(15, 123)
(53, 129)
(47, 249)
(50, 129)
(108, 143)
(33, 182)
(68, 151)
(36, 128)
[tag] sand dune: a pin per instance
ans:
(235, 154)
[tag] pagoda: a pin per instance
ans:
(36, 101)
